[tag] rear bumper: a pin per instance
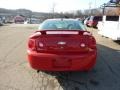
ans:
(45, 61)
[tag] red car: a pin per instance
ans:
(62, 45)
(93, 21)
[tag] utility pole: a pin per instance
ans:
(104, 9)
(90, 3)
(53, 9)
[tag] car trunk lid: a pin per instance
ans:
(63, 41)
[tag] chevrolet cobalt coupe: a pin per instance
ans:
(62, 45)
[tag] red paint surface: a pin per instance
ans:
(47, 53)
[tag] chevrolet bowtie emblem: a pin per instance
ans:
(61, 43)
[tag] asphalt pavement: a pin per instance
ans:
(15, 73)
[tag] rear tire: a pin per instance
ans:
(38, 71)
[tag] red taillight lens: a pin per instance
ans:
(40, 44)
(82, 45)
(92, 43)
(31, 44)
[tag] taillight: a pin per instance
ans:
(31, 44)
(40, 45)
(92, 43)
(82, 45)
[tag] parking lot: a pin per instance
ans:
(15, 73)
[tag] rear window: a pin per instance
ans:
(96, 18)
(112, 18)
(99, 18)
(62, 25)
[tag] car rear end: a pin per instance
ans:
(62, 50)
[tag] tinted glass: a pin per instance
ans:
(98, 18)
(62, 25)
(112, 18)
